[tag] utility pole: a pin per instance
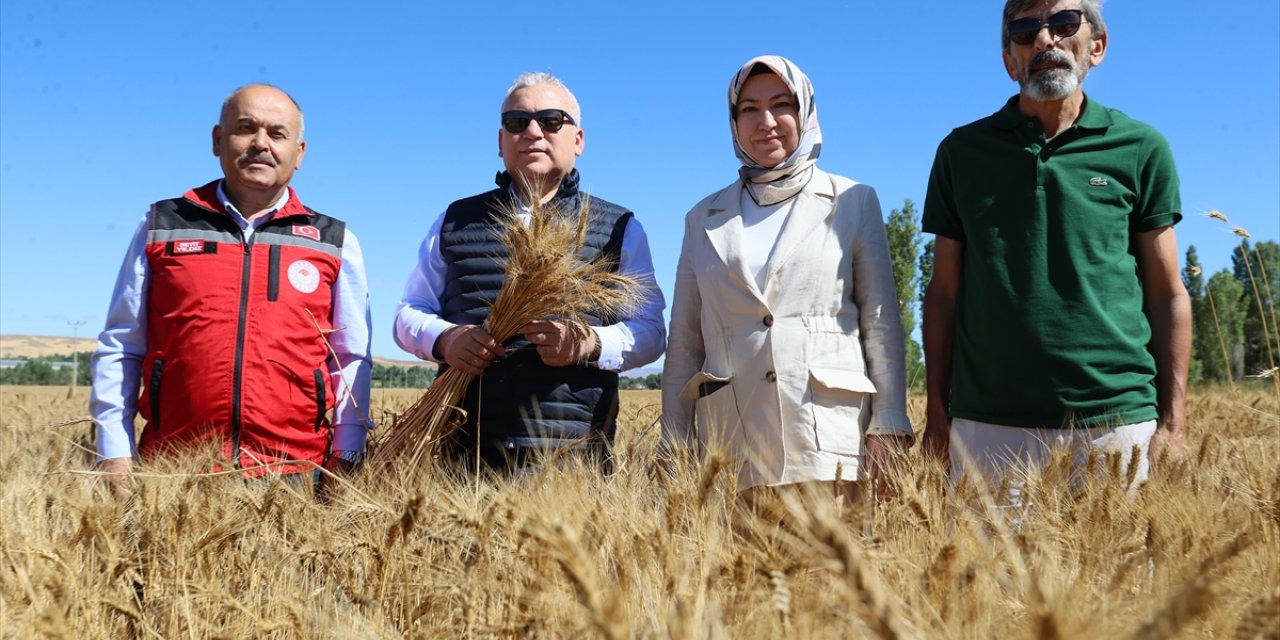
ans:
(75, 352)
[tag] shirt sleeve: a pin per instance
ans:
(351, 367)
(1159, 201)
(417, 323)
(117, 362)
(638, 339)
(941, 216)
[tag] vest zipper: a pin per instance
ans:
(238, 370)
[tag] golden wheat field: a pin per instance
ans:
(653, 551)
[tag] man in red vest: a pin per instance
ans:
(241, 315)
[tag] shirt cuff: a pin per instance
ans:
(431, 331)
(349, 437)
(891, 423)
(115, 442)
(610, 348)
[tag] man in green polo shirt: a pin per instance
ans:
(1056, 315)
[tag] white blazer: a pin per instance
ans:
(787, 380)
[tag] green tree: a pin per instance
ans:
(903, 230)
(35, 372)
(397, 377)
(926, 269)
(651, 382)
(1227, 310)
(1258, 270)
(1202, 333)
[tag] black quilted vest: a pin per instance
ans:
(520, 402)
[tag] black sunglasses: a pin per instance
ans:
(549, 120)
(1062, 24)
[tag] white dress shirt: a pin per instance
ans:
(633, 342)
(122, 345)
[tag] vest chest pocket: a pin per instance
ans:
(273, 273)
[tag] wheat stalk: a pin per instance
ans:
(544, 278)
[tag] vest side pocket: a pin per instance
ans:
(153, 390)
(320, 399)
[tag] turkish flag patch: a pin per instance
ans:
(306, 231)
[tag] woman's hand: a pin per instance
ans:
(885, 455)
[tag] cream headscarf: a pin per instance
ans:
(773, 185)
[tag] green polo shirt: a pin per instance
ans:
(1050, 330)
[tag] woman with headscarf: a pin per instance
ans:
(786, 348)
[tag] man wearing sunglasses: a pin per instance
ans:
(557, 384)
(1056, 315)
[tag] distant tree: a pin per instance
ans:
(1202, 333)
(652, 381)
(1258, 270)
(37, 371)
(1226, 299)
(926, 269)
(903, 231)
(398, 377)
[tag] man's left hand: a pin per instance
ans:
(336, 466)
(561, 343)
(1168, 444)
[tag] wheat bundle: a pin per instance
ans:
(544, 279)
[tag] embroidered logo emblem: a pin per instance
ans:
(1096, 181)
(181, 247)
(304, 276)
(306, 231)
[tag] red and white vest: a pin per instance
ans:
(236, 332)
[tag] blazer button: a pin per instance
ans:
(771, 377)
(768, 321)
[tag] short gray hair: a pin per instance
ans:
(302, 122)
(1092, 12)
(536, 78)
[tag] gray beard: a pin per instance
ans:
(1051, 84)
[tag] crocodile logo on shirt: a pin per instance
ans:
(1098, 181)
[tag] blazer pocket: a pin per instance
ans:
(841, 403)
(703, 384)
(716, 419)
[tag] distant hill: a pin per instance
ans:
(15, 346)
(19, 346)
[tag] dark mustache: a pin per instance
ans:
(257, 156)
(1049, 56)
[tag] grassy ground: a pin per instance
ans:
(644, 553)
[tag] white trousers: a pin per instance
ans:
(999, 453)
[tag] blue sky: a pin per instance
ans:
(107, 107)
